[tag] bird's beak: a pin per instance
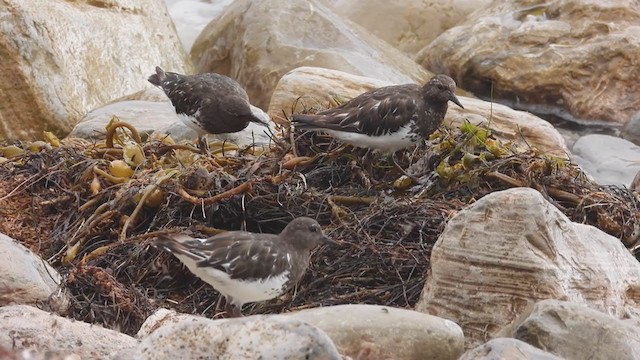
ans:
(455, 100)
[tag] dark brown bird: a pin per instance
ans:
(247, 267)
(390, 118)
(207, 103)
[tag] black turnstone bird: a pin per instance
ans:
(248, 267)
(390, 118)
(207, 103)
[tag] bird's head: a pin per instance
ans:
(441, 88)
(305, 233)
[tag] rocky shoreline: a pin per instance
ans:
(507, 275)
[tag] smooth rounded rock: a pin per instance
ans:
(608, 159)
(254, 337)
(256, 42)
(512, 248)
(27, 279)
(154, 116)
(23, 327)
(309, 87)
(415, 22)
(145, 116)
(506, 348)
(574, 59)
(575, 331)
(386, 332)
(62, 58)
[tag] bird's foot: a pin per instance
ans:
(360, 175)
(232, 310)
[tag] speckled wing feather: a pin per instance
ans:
(373, 113)
(236, 252)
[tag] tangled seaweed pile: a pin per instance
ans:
(91, 210)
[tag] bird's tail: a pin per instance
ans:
(157, 78)
(305, 121)
(258, 120)
(178, 245)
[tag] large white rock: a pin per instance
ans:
(310, 87)
(386, 332)
(382, 331)
(575, 331)
(253, 337)
(61, 58)
(145, 116)
(191, 16)
(151, 111)
(256, 42)
(25, 278)
(512, 248)
(24, 327)
(572, 58)
(608, 159)
(408, 25)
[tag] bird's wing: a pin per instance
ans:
(185, 92)
(371, 113)
(240, 254)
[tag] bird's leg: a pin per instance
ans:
(203, 145)
(395, 163)
(232, 309)
(367, 162)
(218, 303)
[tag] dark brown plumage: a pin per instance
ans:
(248, 267)
(207, 103)
(390, 118)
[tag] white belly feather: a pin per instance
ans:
(391, 142)
(241, 291)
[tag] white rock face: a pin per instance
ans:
(381, 331)
(27, 279)
(512, 248)
(386, 332)
(571, 58)
(253, 337)
(145, 116)
(317, 87)
(24, 327)
(256, 42)
(64, 58)
(505, 348)
(608, 159)
(149, 111)
(191, 16)
(408, 25)
(575, 331)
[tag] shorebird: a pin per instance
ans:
(386, 119)
(248, 267)
(207, 103)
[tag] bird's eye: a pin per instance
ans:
(314, 228)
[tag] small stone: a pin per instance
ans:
(505, 348)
